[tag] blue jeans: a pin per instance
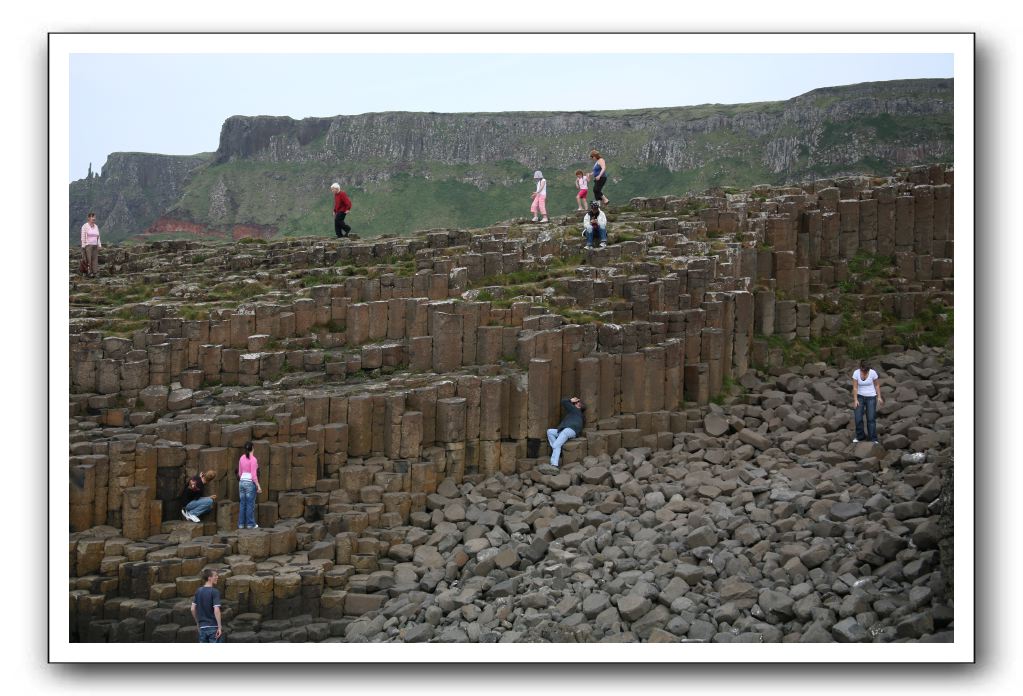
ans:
(866, 404)
(557, 440)
(200, 506)
(208, 634)
(246, 503)
(601, 232)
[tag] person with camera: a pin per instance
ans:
(595, 225)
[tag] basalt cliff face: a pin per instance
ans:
(412, 170)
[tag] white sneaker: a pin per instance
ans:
(589, 246)
(193, 517)
(603, 244)
(535, 219)
(255, 526)
(855, 440)
(545, 220)
(186, 515)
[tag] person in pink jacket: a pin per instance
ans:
(248, 487)
(91, 245)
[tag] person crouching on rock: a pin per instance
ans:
(571, 425)
(194, 500)
(595, 225)
(342, 204)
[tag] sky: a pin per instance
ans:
(176, 103)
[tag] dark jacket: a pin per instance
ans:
(194, 489)
(573, 418)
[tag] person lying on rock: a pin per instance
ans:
(195, 502)
(571, 425)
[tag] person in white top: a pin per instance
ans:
(595, 226)
(539, 196)
(866, 394)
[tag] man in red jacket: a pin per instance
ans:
(342, 204)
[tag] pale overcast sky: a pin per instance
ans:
(176, 104)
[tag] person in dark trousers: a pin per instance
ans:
(206, 609)
(599, 176)
(342, 204)
(571, 425)
(866, 397)
(595, 226)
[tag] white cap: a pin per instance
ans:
(537, 174)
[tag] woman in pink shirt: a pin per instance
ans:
(248, 487)
(91, 245)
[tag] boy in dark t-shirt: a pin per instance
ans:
(206, 609)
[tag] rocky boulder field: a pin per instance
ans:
(766, 525)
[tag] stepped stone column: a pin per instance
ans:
(305, 469)
(610, 396)
(447, 332)
(868, 223)
(357, 326)
(242, 326)
(279, 475)
(653, 378)
(83, 499)
(539, 407)
(712, 350)
(489, 344)
(830, 233)
(697, 385)
(765, 264)
(905, 209)
(378, 422)
(885, 196)
(632, 382)
(553, 349)
(827, 199)
(393, 414)
(588, 374)
(780, 234)
(470, 314)
(923, 219)
(470, 388)
(360, 424)
(411, 435)
(849, 238)
(424, 400)
(694, 325)
(785, 271)
(396, 319)
(378, 319)
(785, 319)
(942, 220)
(492, 409)
(763, 316)
(135, 512)
(421, 353)
(159, 365)
(518, 408)
(674, 356)
(811, 226)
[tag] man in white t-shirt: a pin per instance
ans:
(866, 395)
